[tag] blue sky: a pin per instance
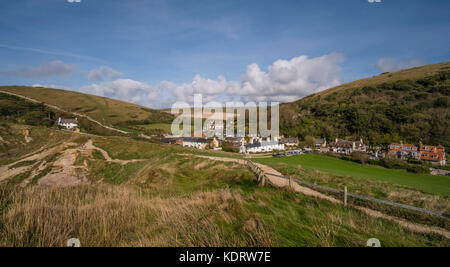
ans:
(155, 52)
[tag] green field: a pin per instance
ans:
(428, 183)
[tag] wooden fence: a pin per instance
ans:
(261, 176)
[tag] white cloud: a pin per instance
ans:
(285, 80)
(44, 70)
(390, 64)
(288, 80)
(124, 89)
(210, 89)
(103, 73)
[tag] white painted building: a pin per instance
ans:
(69, 123)
(264, 146)
(199, 143)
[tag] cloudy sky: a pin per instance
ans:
(156, 52)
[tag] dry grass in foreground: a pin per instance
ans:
(123, 216)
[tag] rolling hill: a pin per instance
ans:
(123, 191)
(410, 105)
(104, 110)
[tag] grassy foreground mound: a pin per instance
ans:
(173, 199)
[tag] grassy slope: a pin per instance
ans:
(105, 110)
(381, 109)
(14, 146)
(203, 207)
(413, 73)
(172, 200)
(428, 183)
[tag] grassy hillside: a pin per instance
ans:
(105, 110)
(174, 200)
(409, 105)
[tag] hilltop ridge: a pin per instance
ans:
(410, 105)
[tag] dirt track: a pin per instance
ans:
(64, 172)
(90, 145)
(276, 181)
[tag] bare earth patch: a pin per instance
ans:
(65, 173)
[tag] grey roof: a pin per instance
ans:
(68, 120)
(195, 140)
(320, 141)
(289, 140)
(253, 145)
(171, 139)
(346, 144)
(264, 143)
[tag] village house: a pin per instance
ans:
(199, 143)
(263, 146)
(173, 140)
(68, 123)
(403, 151)
(321, 145)
(289, 141)
(347, 147)
(433, 154)
(235, 142)
(214, 143)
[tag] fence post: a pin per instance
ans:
(345, 195)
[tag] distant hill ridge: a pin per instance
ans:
(410, 105)
(107, 111)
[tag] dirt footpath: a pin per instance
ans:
(90, 145)
(275, 180)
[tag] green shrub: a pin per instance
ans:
(417, 169)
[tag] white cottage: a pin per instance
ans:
(69, 123)
(264, 146)
(199, 143)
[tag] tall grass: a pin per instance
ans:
(123, 216)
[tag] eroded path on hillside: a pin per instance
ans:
(61, 170)
(8, 171)
(275, 179)
(89, 145)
